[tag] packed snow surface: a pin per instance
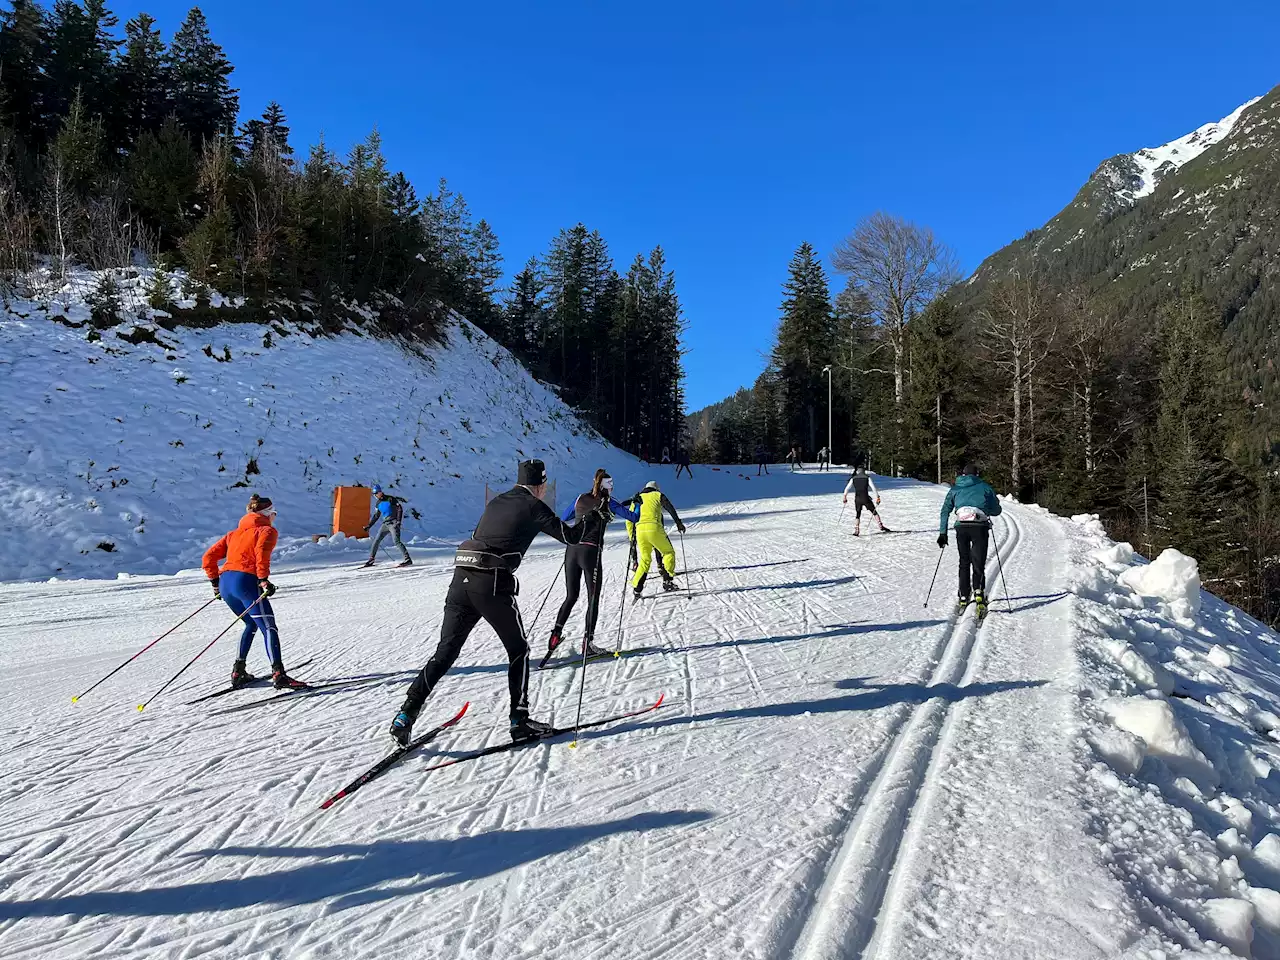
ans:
(837, 771)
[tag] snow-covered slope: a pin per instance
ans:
(839, 771)
(1147, 167)
(116, 457)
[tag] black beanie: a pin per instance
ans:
(532, 473)
(970, 469)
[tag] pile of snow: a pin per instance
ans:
(133, 454)
(1173, 578)
(1180, 706)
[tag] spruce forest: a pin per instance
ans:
(117, 145)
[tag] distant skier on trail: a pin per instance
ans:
(863, 489)
(824, 459)
(244, 583)
(582, 559)
(390, 510)
(484, 587)
(762, 459)
(682, 463)
(666, 454)
(651, 536)
(974, 503)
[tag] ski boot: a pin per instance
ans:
(240, 677)
(962, 603)
(980, 605)
(367, 563)
(857, 529)
(591, 651)
(883, 528)
(637, 593)
(525, 728)
(282, 681)
(668, 586)
(406, 562)
(402, 728)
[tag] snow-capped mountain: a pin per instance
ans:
(1202, 211)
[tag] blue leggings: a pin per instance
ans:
(241, 590)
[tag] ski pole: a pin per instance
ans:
(76, 698)
(239, 616)
(622, 608)
(935, 576)
(1008, 605)
(547, 596)
(843, 506)
(685, 558)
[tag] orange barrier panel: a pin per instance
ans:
(351, 509)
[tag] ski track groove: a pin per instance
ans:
(843, 912)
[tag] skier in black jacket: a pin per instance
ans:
(484, 587)
(582, 560)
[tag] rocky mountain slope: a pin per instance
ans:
(1202, 211)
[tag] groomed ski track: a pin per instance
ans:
(837, 771)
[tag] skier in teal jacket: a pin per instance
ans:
(974, 503)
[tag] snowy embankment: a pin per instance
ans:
(122, 457)
(838, 772)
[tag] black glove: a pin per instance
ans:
(680, 526)
(366, 529)
(217, 593)
(267, 587)
(942, 540)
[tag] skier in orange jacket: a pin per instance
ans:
(244, 582)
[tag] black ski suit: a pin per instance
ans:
(864, 489)
(485, 587)
(582, 560)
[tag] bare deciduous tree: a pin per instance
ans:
(900, 267)
(1019, 329)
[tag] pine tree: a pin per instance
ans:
(143, 81)
(23, 55)
(162, 173)
(267, 135)
(523, 313)
(803, 347)
(203, 99)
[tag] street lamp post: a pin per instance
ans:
(830, 447)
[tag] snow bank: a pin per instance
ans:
(1164, 736)
(1172, 577)
(123, 456)
(1180, 713)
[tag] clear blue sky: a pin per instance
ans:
(729, 132)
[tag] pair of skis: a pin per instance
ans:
(393, 758)
(255, 682)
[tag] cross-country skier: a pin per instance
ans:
(484, 587)
(824, 459)
(244, 583)
(974, 504)
(863, 489)
(651, 536)
(682, 463)
(762, 459)
(582, 559)
(390, 510)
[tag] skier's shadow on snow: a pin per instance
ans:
(745, 566)
(870, 696)
(826, 632)
(1030, 601)
(349, 874)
